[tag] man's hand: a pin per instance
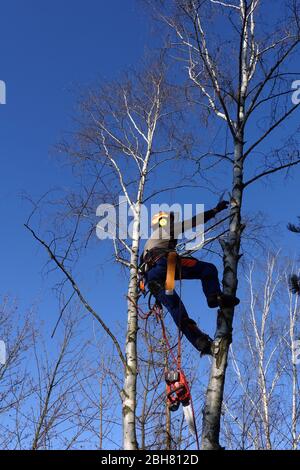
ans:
(222, 205)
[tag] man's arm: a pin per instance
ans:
(188, 224)
(213, 212)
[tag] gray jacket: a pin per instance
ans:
(165, 238)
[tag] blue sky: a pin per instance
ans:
(47, 49)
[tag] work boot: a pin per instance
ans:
(222, 300)
(208, 350)
(205, 345)
(226, 300)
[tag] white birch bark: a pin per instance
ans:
(129, 391)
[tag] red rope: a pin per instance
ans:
(159, 315)
(158, 312)
(140, 312)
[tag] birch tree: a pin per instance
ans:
(15, 386)
(126, 131)
(57, 416)
(238, 59)
(261, 407)
(43, 384)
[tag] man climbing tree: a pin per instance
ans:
(157, 261)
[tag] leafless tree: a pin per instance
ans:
(15, 387)
(242, 75)
(261, 408)
(58, 410)
(52, 395)
(126, 131)
(102, 391)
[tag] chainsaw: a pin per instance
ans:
(178, 392)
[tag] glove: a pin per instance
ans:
(222, 205)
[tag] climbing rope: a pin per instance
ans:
(177, 386)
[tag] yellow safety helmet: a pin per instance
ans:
(161, 218)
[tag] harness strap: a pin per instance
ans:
(171, 269)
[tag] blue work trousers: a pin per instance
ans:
(188, 268)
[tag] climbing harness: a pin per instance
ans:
(149, 260)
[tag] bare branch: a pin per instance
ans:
(78, 292)
(132, 120)
(268, 172)
(269, 76)
(229, 5)
(269, 131)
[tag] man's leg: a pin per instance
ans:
(207, 273)
(173, 303)
(189, 328)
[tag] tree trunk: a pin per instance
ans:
(101, 414)
(231, 245)
(129, 389)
